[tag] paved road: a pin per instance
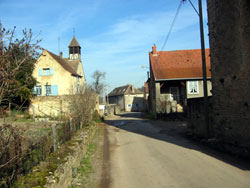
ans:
(143, 153)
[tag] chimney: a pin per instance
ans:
(132, 89)
(61, 55)
(154, 50)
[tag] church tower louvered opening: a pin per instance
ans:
(74, 50)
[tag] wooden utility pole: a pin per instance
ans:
(204, 70)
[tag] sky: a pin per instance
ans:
(115, 35)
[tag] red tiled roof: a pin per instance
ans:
(179, 64)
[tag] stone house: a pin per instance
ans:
(56, 75)
(128, 98)
(175, 76)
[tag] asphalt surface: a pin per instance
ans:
(141, 153)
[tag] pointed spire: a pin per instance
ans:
(74, 42)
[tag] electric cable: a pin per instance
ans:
(194, 7)
(170, 30)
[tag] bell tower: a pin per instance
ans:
(74, 50)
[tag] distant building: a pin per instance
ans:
(56, 75)
(175, 76)
(128, 98)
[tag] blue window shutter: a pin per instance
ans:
(54, 90)
(33, 90)
(51, 71)
(40, 72)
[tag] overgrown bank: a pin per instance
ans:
(89, 172)
(24, 145)
(56, 170)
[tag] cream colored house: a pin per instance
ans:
(56, 75)
(128, 98)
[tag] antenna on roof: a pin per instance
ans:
(73, 31)
(59, 45)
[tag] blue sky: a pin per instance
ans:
(115, 35)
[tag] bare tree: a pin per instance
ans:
(82, 105)
(17, 58)
(98, 78)
(10, 154)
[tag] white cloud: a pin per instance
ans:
(126, 44)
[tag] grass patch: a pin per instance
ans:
(83, 172)
(85, 166)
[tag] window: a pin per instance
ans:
(48, 90)
(129, 105)
(193, 87)
(51, 90)
(46, 72)
(76, 50)
(38, 90)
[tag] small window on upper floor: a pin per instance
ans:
(46, 72)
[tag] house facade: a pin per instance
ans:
(128, 98)
(56, 75)
(58, 79)
(175, 77)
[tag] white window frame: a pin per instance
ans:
(192, 85)
(129, 105)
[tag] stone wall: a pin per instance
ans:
(229, 31)
(49, 106)
(196, 116)
(57, 106)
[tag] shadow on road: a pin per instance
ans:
(172, 132)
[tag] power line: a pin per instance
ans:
(170, 29)
(172, 25)
(194, 7)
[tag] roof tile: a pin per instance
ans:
(127, 89)
(65, 64)
(179, 64)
